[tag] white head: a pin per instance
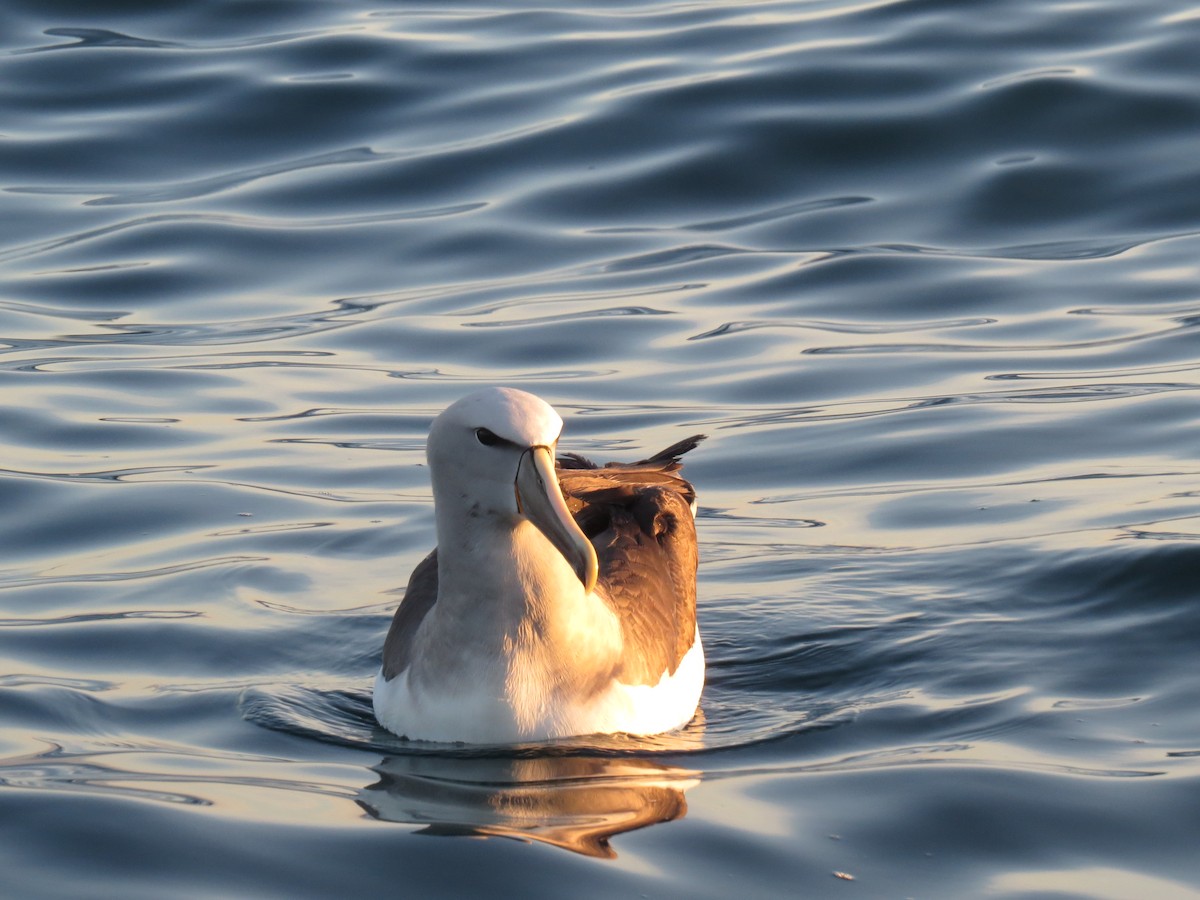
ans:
(491, 455)
(476, 444)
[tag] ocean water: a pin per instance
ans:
(925, 271)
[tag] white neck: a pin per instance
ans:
(511, 612)
(498, 570)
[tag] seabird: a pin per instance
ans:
(560, 599)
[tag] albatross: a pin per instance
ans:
(560, 599)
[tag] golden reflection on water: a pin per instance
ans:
(576, 803)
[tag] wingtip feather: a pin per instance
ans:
(676, 450)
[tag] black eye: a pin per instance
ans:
(485, 437)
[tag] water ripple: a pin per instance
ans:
(843, 327)
(19, 581)
(925, 272)
(100, 617)
(215, 184)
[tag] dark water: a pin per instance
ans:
(925, 271)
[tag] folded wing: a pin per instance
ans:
(639, 517)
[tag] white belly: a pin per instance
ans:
(478, 716)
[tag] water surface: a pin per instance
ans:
(924, 271)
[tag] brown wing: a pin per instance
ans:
(639, 519)
(419, 597)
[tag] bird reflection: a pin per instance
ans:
(574, 802)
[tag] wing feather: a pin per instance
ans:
(419, 597)
(639, 518)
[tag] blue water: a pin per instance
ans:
(926, 272)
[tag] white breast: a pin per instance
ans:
(487, 713)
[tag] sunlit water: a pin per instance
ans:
(926, 272)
